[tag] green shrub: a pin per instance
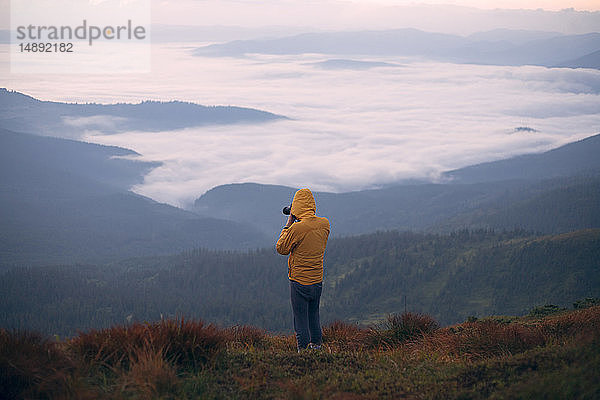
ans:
(586, 303)
(545, 310)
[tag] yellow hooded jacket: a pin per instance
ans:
(304, 240)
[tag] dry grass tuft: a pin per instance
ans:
(582, 325)
(173, 358)
(482, 339)
(187, 343)
(244, 336)
(341, 336)
(32, 366)
(401, 328)
(151, 375)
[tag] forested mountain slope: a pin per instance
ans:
(65, 201)
(448, 276)
(575, 158)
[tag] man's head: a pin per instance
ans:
(303, 204)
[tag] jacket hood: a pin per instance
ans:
(303, 204)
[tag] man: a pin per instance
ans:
(304, 238)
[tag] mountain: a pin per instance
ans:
(22, 113)
(500, 195)
(27, 158)
(546, 52)
(548, 206)
(390, 42)
(449, 276)
(573, 158)
(260, 205)
(512, 36)
(591, 60)
(398, 207)
(65, 201)
(498, 47)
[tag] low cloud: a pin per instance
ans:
(351, 130)
(96, 122)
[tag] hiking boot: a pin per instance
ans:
(312, 346)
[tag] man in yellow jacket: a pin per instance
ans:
(304, 238)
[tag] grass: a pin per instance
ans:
(547, 356)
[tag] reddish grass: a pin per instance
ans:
(490, 338)
(401, 328)
(248, 336)
(151, 374)
(186, 343)
(32, 366)
(144, 360)
(579, 325)
(341, 336)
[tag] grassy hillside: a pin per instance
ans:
(450, 276)
(553, 357)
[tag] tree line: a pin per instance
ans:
(449, 276)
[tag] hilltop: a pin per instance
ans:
(23, 113)
(408, 356)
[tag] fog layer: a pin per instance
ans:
(349, 129)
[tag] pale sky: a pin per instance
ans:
(466, 17)
(461, 17)
(551, 5)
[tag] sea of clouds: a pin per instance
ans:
(347, 129)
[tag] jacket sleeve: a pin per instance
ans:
(286, 241)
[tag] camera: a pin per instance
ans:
(287, 210)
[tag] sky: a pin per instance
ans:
(458, 17)
(552, 5)
(448, 16)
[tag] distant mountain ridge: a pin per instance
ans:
(512, 36)
(22, 113)
(498, 47)
(591, 60)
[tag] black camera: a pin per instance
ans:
(287, 210)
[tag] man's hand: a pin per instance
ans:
(290, 220)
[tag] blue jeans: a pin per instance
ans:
(305, 304)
